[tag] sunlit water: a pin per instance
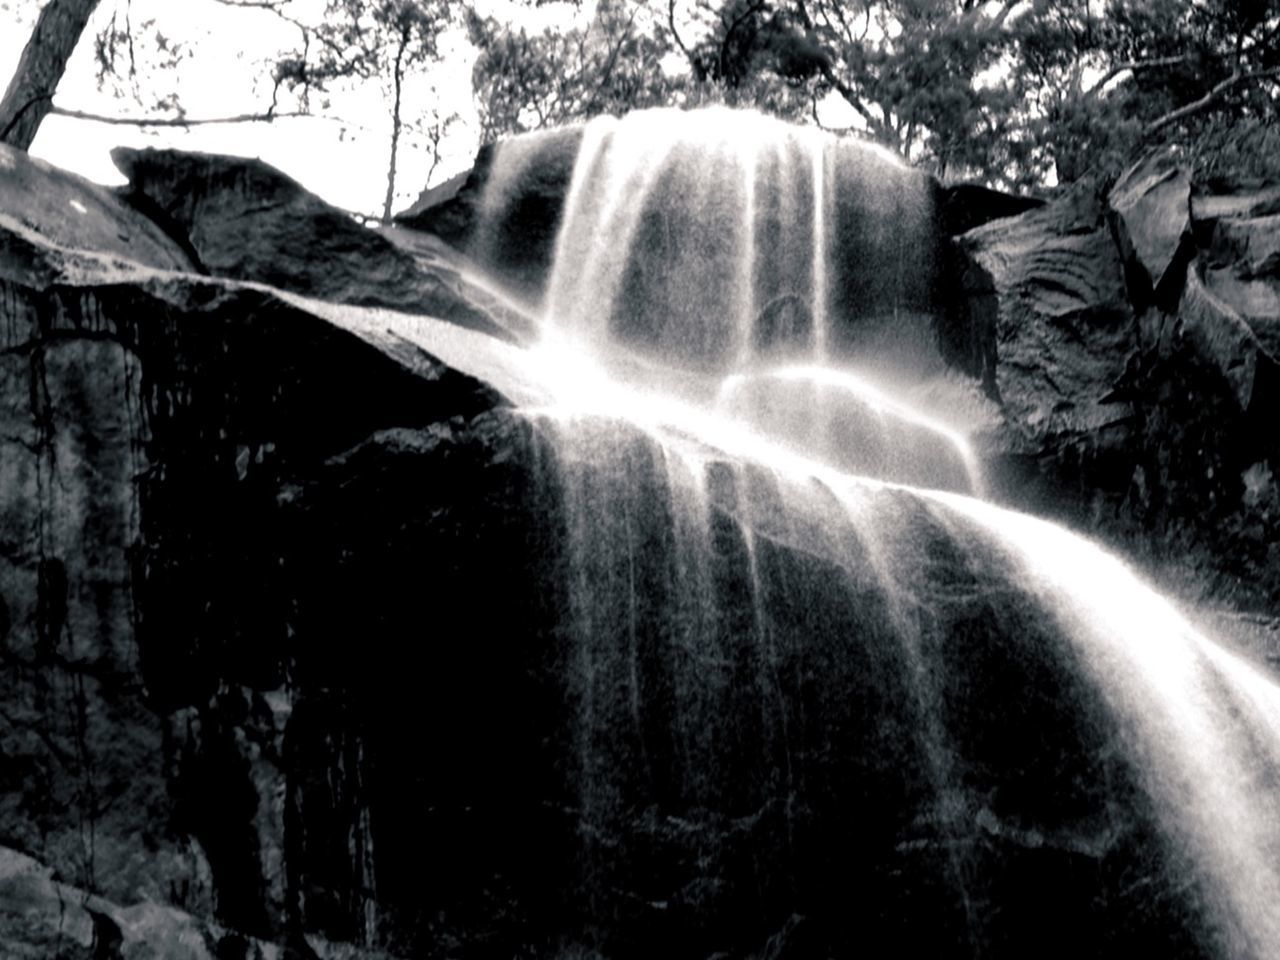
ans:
(741, 500)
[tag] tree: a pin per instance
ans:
(29, 97)
(1012, 92)
(351, 43)
(610, 63)
(382, 41)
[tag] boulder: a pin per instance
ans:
(1251, 244)
(507, 224)
(1151, 204)
(70, 212)
(1221, 338)
(245, 220)
(1131, 343)
(1063, 324)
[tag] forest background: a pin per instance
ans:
(368, 101)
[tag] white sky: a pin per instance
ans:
(227, 74)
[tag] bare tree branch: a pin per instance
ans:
(1135, 66)
(1208, 100)
(176, 121)
(675, 34)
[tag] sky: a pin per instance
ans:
(227, 73)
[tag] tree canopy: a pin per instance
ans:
(1016, 92)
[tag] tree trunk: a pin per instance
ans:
(396, 124)
(29, 97)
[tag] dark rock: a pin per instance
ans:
(1152, 208)
(1250, 244)
(148, 422)
(41, 916)
(1135, 377)
(507, 225)
(1064, 326)
(1207, 208)
(1256, 302)
(964, 206)
(73, 213)
(245, 220)
(1219, 335)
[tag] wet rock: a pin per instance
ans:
(148, 422)
(506, 223)
(43, 916)
(238, 708)
(965, 206)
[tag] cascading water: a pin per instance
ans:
(816, 711)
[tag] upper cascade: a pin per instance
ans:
(707, 239)
(765, 267)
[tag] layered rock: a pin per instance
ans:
(245, 220)
(151, 418)
(1132, 362)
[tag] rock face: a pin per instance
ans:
(1129, 339)
(1134, 360)
(283, 662)
(244, 220)
(519, 244)
(151, 418)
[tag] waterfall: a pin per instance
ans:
(823, 700)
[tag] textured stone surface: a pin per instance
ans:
(1133, 357)
(41, 916)
(1064, 326)
(72, 212)
(1152, 207)
(245, 220)
(147, 420)
(1221, 337)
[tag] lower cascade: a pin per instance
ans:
(817, 698)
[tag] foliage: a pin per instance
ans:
(611, 63)
(370, 40)
(1017, 93)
